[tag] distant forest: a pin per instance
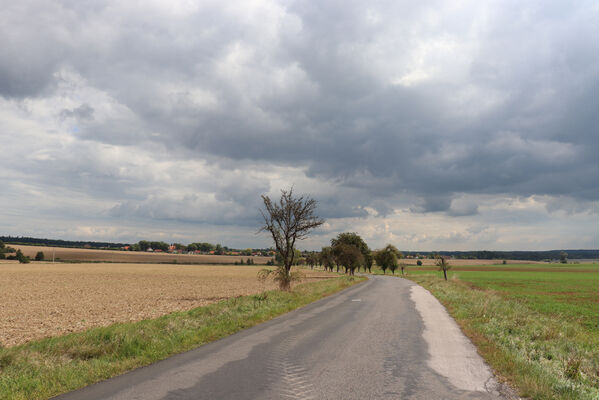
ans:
(60, 243)
(480, 254)
(511, 255)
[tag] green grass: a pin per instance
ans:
(538, 328)
(45, 368)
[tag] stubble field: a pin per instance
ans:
(45, 299)
(93, 255)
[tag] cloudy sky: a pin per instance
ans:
(430, 125)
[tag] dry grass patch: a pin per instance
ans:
(40, 300)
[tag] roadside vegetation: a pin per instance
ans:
(45, 368)
(538, 327)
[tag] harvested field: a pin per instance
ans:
(45, 299)
(83, 255)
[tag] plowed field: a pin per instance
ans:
(45, 299)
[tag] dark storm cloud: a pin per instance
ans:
(389, 102)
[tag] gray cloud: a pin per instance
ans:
(380, 106)
(83, 112)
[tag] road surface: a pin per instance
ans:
(382, 339)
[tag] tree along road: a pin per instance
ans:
(382, 339)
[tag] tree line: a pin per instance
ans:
(59, 243)
(291, 218)
(10, 253)
(547, 255)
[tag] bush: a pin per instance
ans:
(2, 256)
(40, 256)
(23, 259)
(419, 263)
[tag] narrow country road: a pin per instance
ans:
(383, 339)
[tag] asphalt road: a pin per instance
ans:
(383, 339)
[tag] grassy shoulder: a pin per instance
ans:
(543, 351)
(45, 368)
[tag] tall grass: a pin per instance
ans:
(544, 355)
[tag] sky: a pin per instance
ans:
(431, 125)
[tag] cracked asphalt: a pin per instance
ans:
(381, 339)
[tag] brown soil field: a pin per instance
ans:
(70, 254)
(44, 299)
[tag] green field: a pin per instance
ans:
(536, 324)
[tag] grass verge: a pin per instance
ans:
(544, 355)
(48, 367)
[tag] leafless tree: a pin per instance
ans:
(288, 220)
(402, 266)
(443, 265)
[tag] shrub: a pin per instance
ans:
(23, 259)
(40, 256)
(419, 263)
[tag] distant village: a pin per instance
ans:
(195, 248)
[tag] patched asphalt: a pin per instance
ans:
(366, 342)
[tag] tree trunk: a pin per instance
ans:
(445, 273)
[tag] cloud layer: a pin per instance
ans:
(476, 120)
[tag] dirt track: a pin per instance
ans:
(44, 299)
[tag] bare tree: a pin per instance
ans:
(288, 220)
(443, 265)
